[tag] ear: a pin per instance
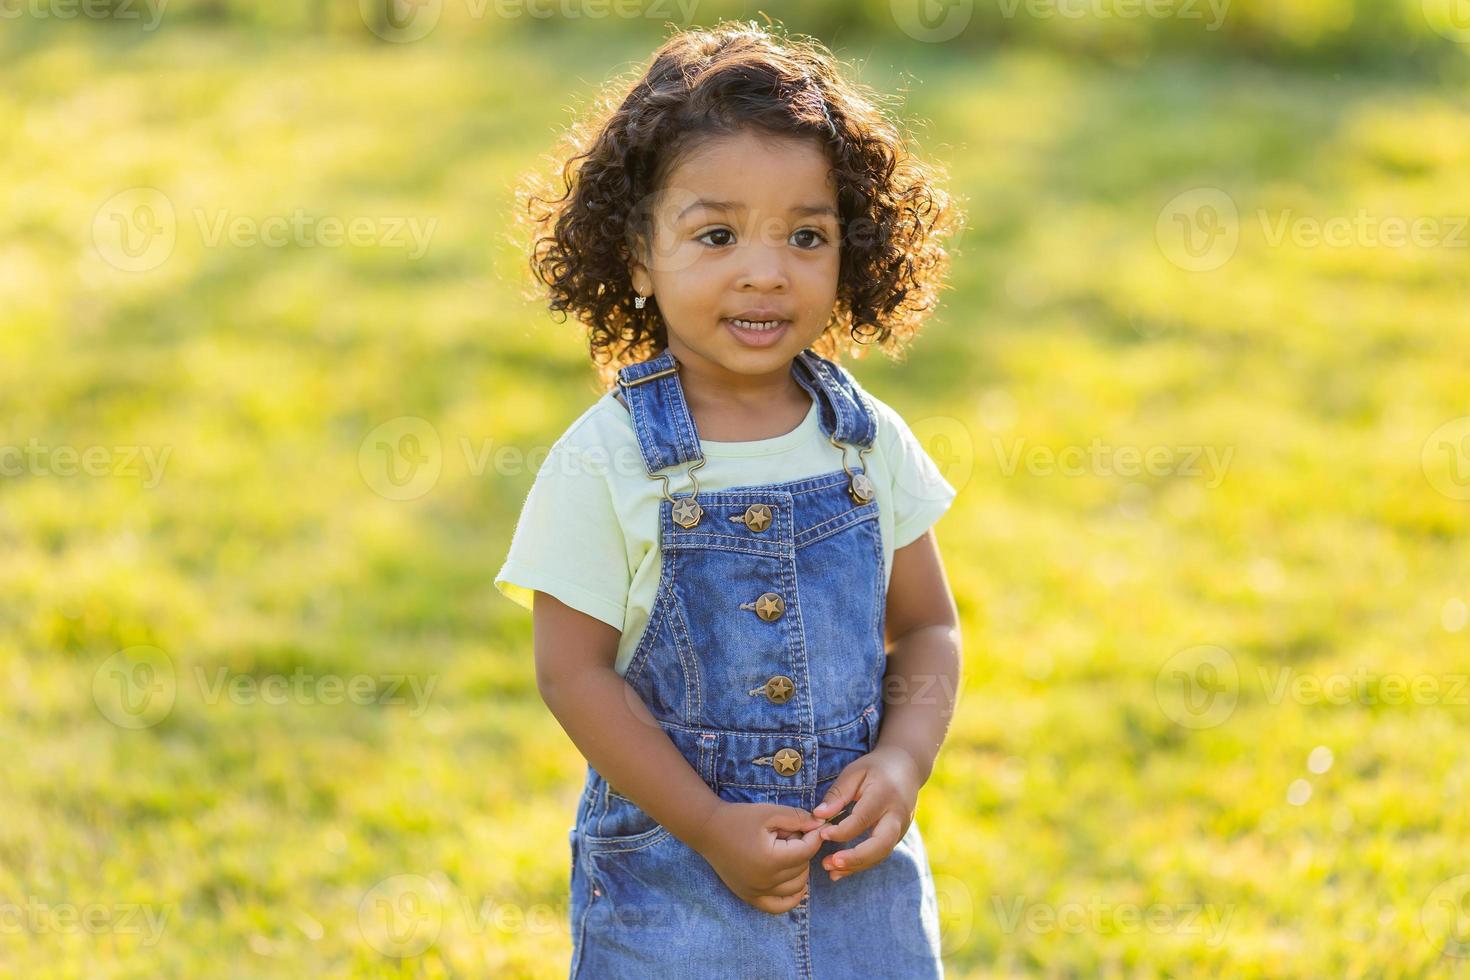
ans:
(637, 271)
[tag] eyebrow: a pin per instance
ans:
(806, 209)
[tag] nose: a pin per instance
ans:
(763, 259)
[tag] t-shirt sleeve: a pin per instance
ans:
(568, 541)
(921, 494)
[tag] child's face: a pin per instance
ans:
(744, 224)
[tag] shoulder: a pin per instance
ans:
(605, 426)
(891, 426)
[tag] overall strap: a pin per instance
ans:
(661, 419)
(845, 415)
(665, 429)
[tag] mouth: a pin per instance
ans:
(757, 333)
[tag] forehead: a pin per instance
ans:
(755, 169)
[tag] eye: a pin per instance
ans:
(820, 238)
(715, 231)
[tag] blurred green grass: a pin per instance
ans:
(271, 547)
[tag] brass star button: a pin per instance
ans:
(758, 517)
(779, 689)
(861, 488)
(687, 512)
(770, 606)
(787, 761)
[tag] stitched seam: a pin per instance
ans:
(863, 511)
(693, 691)
(870, 429)
(786, 553)
(727, 734)
(827, 534)
(615, 845)
(839, 397)
(647, 445)
(796, 630)
(679, 411)
(880, 599)
(691, 537)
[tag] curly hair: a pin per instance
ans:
(717, 82)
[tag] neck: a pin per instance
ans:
(708, 383)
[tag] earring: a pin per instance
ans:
(640, 301)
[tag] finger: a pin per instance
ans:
(797, 851)
(777, 906)
(792, 887)
(864, 813)
(885, 837)
(790, 818)
(843, 789)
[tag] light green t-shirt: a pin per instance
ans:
(588, 532)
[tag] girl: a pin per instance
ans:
(741, 618)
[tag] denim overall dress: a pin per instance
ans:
(763, 661)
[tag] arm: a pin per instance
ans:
(923, 639)
(762, 851)
(920, 685)
(609, 722)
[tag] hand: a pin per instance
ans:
(762, 852)
(885, 783)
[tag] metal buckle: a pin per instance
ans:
(649, 377)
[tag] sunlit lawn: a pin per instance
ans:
(1106, 804)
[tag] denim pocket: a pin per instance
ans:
(618, 822)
